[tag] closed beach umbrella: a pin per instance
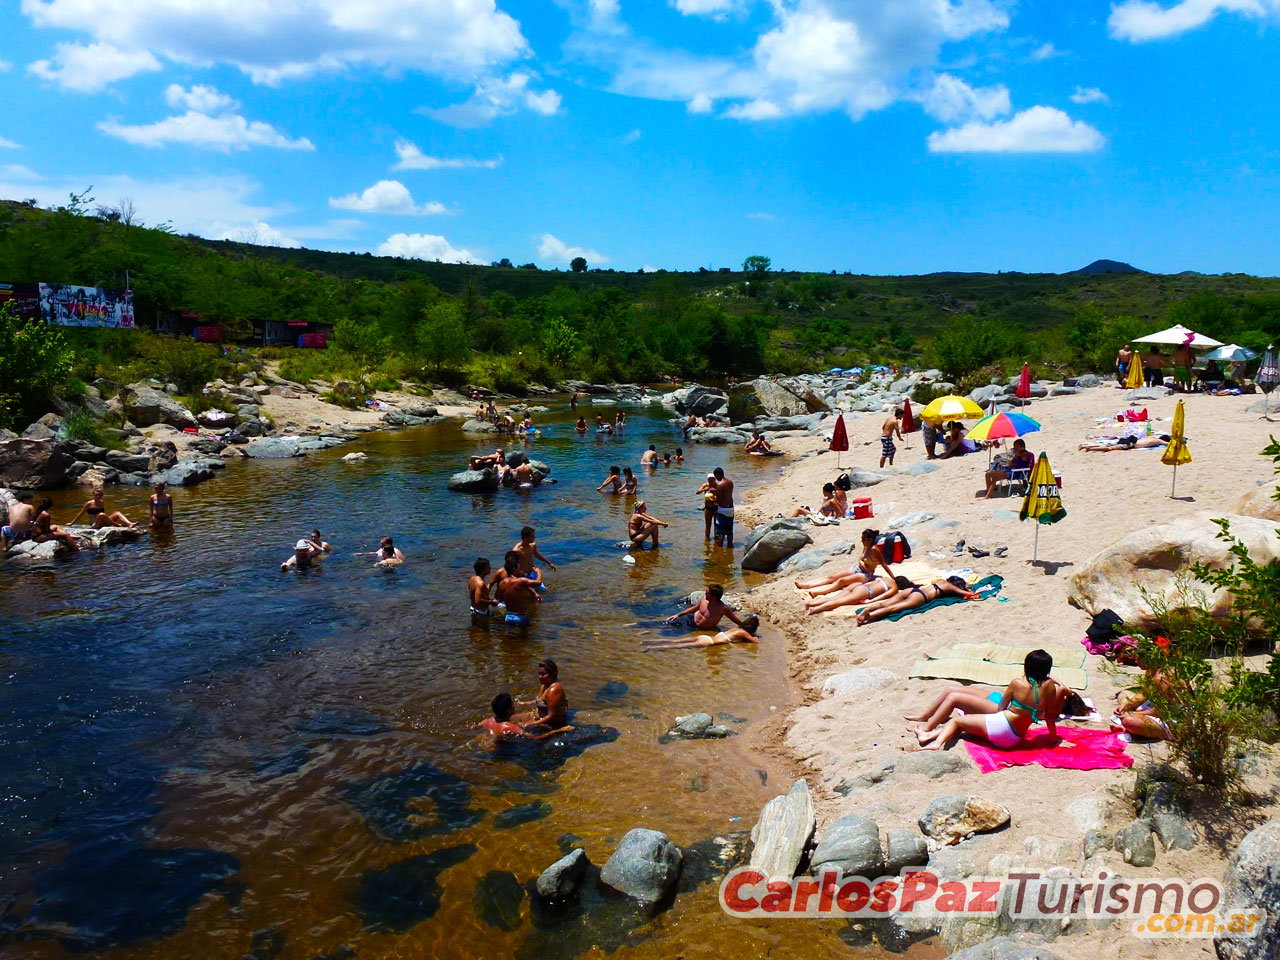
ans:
(839, 439)
(1176, 453)
(1268, 377)
(908, 421)
(1134, 380)
(1024, 384)
(1043, 503)
(951, 407)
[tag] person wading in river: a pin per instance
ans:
(550, 707)
(722, 487)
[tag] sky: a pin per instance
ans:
(890, 137)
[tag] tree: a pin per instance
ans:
(34, 359)
(559, 340)
(756, 264)
(578, 264)
(360, 339)
(442, 335)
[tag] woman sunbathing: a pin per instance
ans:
(915, 597)
(1027, 700)
(1107, 444)
(1137, 714)
(872, 559)
(882, 587)
(743, 634)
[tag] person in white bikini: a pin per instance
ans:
(877, 588)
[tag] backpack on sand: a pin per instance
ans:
(894, 546)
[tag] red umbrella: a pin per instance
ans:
(839, 439)
(908, 421)
(1024, 384)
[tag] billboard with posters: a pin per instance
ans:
(24, 297)
(71, 306)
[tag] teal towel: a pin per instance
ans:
(986, 587)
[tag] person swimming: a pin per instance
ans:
(746, 633)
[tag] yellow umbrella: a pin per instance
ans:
(1043, 503)
(951, 407)
(1176, 453)
(1134, 380)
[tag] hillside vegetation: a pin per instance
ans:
(504, 326)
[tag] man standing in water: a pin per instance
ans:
(650, 457)
(527, 550)
(515, 591)
(888, 430)
(722, 487)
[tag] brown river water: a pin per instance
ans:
(204, 757)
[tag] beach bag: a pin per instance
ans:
(1105, 627)
(844, 483)
(894, 546)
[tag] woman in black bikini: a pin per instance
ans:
(98, 515)
(43, 528)
(916, 597)
(863, 571)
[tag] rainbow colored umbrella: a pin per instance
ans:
(1002, 426)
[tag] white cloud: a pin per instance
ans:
(1089, 95)
(702, 8)
(553, 250)
(287, 39)
(88, 69)
(6, 144)
(259, 233)
(424, 246)
(759, 216)
(411, 157)
(5, 66)
(18, 171)
(951, 100)
(701, 103)
(755, 110)
(1046, 51)
(631, 136)
(200, 98)
(496, 97)
(1141, 20)
(386, 196)
(225, 132)
(1035, 130)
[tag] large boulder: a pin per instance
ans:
(1252, 882)
(771, 543)
(1149, 559)
(952, 818)
(718, 435)
(147, 406)
(474, 481)
(33, 464)
(30, 552)
(776, 400)
(783, 832)
(645, 866)
(128, 462)
(479, 426)
(699, 400)
(274, 448)
(184, 473)
(1260, 502)
(851, 844)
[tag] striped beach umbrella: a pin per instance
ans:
(1043, 502)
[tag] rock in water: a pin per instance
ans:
(147, 406)
(31, 552)
(783, 832)
(696, 726)
(33, 464)
(718, 435)
(498, 898)
(644, 867)
(522, 813)
(952, 818)
(402, 895)
(852, 844)
(1252, 882)
(474, 481)
(184, 473)
(1003, 948)
(1149, 559)
(771, 543)
(561, 879)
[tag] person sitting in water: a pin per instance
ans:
(388, 554)
(877, 588)
(43, 528)
(864, 570)
(630, 483)
(581, 425)
(679, 454)
(915, 597)
(99, 516)
(955, 442)
(514, 591)
(743, 634)
(1019, 459)
(613, 480)
(602, 425)
(527, 551)
(161, 508)
(490, 461)
(526, 425)
(641, 526)
(550, 706)
(707, 613)
(501, 724)
(621, 421)
(1028, 699)
(835, 503)
(758, 446)
(18, 530)
(650, 457)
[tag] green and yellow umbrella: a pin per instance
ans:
(1176, 453)
(1043, 504)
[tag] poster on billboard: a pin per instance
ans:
(72, 306)
(24, 298)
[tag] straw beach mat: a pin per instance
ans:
(996, 664)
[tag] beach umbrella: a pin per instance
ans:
(951, 407)
(1176, 453)
(1024, 384)
(839, 439)
(835, 370)
(908, 421)
(1134, 381)
(1267, 378)
(1043, 504)
(1003, 426)
(1177, 335)
(1231, 353)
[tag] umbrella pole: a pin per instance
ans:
(1035, 550)
(1174, 489)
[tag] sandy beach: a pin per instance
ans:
(837, 739)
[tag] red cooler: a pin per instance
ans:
(862, 508)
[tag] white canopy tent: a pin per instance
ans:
(1176, 336)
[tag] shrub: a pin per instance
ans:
(34, 360)
(187, 364)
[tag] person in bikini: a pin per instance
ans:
(581, 425)
(527, 551)
(489, 461)
(515, 591)
(44, 529)
(863, 571)
(708, 504)
(1137, 715)
(877, 588)
(915, 597)
(551, 705)
(1028, 699)
(630, 482)
(641, 526)
(743, 634)
(892, 427)
(613, 480)
(161, 508)
(835, 503)
(99, 516)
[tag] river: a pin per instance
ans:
(202, 756)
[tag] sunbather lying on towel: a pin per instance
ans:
(881, 587)
(916, 597)
(1107, 444)
(872, 559)
(1029, 699)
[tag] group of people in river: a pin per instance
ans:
(35, 522)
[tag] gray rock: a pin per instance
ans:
(1137, 843)
(106, 536)
(186, 473)
(146, 406)
(1252, 881)
(930, 764)
(644, 867)
(474, 481)
(540, 467)
(39, 431)
(1149, 393)
(984, 395)
(718, 435)
(30, 552)
(411, 416)
(921, 467)
(839, 548)
(860, 477)
(906, 848)
(560, 880)
(700, 401)
(33, 464)
(127, 462)
(696, 726)
(774, 399)
(209, 446)
(805, 561)
(1063, 391)
(955, 817)
(1173, 831)
(910, 520)
(858, 680)
(479, 426)
(852, 844)
(1095, 842)
(771, 543)
(1087, 380)
(783, 832)
(1003, 948)
(274, 448)
(904, 386)
(248, 411)
(251, 427)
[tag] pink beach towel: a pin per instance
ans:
(1081, 749)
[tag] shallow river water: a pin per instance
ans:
(203, 757)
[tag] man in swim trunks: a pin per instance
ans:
(388, 553)
(527, 550)
(689, 424)
(515, 591)
(161, 508)
(21, 516)
(1123, 359)
(478, 589)
(888, 430)
(501, 724)
(707, 613)
(524, 474)
(551, 706)
(650, 457)
(1182, 361)
(722, 487)
(303, 553)
(641, 526)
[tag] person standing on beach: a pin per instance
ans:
(722, 487)
(1182, 362)
(1123, 359)
(888, 430)
(1153, 367)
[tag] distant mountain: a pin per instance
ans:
(1108, 266)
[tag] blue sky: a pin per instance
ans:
(902, 136)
